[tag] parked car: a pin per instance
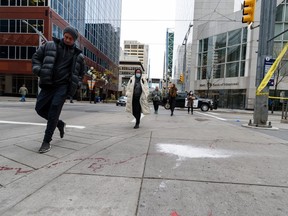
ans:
(121, 101)
(181, 101)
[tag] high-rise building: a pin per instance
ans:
(22, 21)
(222, 54)
(135, 48)
(169, 51)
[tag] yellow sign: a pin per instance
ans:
(271, 71)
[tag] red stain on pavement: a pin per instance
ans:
(98, 163)
(174, 213)
(18, 170)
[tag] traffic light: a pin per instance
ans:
(182, 77)
(248, 11)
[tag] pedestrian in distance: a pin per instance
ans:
(190, 101)
(60, 66)
(71, 99)
(137, 96)
(172, 97)
(156, 98)
(23, 91)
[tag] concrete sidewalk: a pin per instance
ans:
(181, 165)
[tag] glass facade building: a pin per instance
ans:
(184, 18)
(222, 54)
(98, 23)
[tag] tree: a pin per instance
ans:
(280, 75)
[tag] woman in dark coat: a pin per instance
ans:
(172, 97)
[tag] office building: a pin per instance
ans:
(98, 23)
(223, 53)
(140, 50)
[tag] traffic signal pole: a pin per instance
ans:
(265, 49)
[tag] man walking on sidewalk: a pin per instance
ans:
(60, 66)
(23, 91)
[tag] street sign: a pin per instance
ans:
(268, 62)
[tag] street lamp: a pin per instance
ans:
(37, 31)
(184, 58)
(41, 36)
(91, 82)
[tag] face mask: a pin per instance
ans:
(138, 75)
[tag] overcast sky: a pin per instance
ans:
(147, 21)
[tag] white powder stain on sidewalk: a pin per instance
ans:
(184, 151)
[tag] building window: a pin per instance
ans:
(12, 53)
(24, 3)
(222, 55)
(18, 26)
(232, 69)
(23, 52)
(4, 2)
(219, 70)
(220, 41)
(234, 37)
(4, 52)
(13, 3)
(3, 25)
(233, 53)
(12, 25)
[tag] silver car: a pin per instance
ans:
(121, 101)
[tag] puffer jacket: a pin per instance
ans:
(43, 61)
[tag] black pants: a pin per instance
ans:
(191, 109)
(49, 106)
(156, 105)
(172, 102)
(136, 109)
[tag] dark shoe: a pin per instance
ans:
(45, 147)
(171, 114)
(62, 130)
(136, 126)
(71, 102)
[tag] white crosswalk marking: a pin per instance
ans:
(38, 124)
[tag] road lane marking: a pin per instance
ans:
(222, 119)
(38, 124)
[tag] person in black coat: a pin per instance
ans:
(60, 66)
(172, 97)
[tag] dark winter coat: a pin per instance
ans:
(43, 62)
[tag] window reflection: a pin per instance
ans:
(233, 53)
(228, 47)
(234, 37)
(232, 69)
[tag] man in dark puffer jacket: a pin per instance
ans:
(60, 66)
